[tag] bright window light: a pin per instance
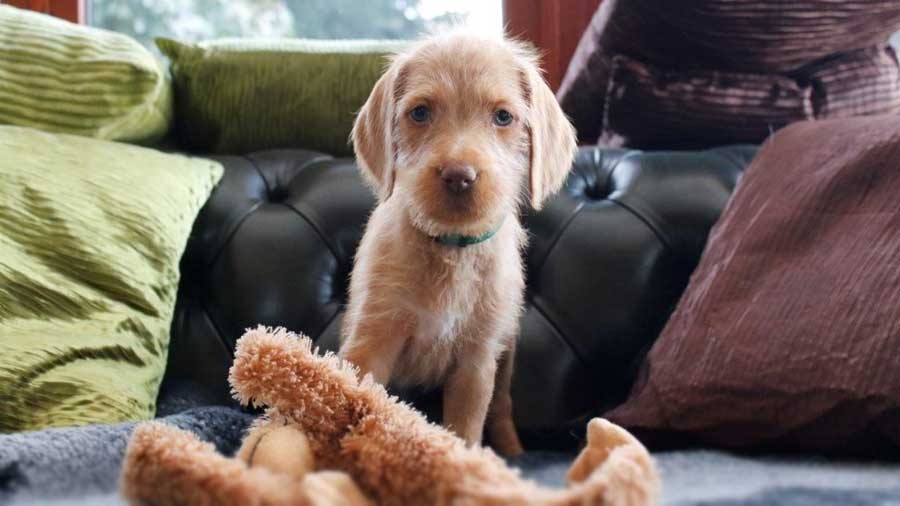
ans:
(195, 20)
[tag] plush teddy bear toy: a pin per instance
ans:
(330, 439)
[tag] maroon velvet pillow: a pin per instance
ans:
(788, 335)
(658, 74)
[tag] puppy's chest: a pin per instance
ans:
(442, 323)
(430, 351)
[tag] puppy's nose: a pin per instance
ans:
(459, 178)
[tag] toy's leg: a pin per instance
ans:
(282, 447)
(279, 447)
(333, 488)
(602, 438)
(166, 466)
(617, 463)
(501, 429)
(613, 470)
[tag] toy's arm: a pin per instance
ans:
(166, 466)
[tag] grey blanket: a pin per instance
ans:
(83, 464)
(60, 467)
(704, 477)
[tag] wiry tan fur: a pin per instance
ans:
(374, 446)
(428, 314)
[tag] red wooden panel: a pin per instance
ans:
(71, 10)
(26, 4)
(554, 26)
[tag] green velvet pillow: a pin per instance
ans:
(236, 96)
(62, 77)
(91, 234)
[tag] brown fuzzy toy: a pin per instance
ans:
(381, 451)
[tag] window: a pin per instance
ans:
(194, 20)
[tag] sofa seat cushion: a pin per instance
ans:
(91, 233)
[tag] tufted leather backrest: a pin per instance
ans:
(608, 258)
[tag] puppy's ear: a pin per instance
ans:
(373, 139)
(551, 135)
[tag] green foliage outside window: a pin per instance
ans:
(194, 20)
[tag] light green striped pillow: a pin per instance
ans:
(62, 77)
(91, 234)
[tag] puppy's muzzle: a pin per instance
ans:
(458, 179)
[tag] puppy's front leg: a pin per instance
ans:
(467, 394)
(375, 344)
(501, 429)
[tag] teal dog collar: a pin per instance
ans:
(462, 241)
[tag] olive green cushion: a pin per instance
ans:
(91, 233)
(63, 77)
(236, 96)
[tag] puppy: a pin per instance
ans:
(457, 135)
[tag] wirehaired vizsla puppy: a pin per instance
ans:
(458, 134)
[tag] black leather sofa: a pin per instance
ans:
(608, 258)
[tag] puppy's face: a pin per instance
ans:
(461, 145)
(460, 128)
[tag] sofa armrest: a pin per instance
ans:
(608, 258)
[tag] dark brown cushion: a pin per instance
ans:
(788, 335)
(829, 51)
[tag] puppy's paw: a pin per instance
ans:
(504, 440)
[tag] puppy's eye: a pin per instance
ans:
(420, 114)
(502, 117)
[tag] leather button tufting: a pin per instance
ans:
(592, 170)
(277, 195)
